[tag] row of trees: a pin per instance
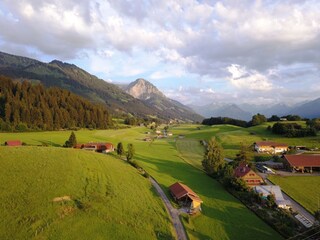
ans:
(224, 120)
(24, 106)
(129, 153)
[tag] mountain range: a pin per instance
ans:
(245, 111)
(70, 77)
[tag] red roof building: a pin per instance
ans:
(13, 143)
(185, 196)
(303, 162)
(250, 177)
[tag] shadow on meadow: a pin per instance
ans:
(218, 204)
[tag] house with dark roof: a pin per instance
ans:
(13, 143)
(244, 172)
(182, 194)
(302, 162)
(270, 147)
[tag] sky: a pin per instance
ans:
(195, 51)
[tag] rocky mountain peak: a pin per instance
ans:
(142, 89)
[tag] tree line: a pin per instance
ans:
(25, 106)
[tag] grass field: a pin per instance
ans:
(109, 198)
(170, 160)
(303, 189)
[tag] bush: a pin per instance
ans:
(146, 175)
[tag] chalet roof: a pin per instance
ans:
(303, 160)
(271, 144)
(13, 143)
(241, 170)
(180, 190)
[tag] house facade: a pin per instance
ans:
(96, 147)
(182, 194)
(251, 178)
(302, 163)
(270, 147)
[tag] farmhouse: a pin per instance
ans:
(266, 190)
(13, 143)
(96, 147)
(270, 147)
(302, 162)
(250, 177)
(186, 197)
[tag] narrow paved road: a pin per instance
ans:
(295, 206)
(174, 213)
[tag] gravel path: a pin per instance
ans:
(174, 213)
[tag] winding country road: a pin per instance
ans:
(174, 213)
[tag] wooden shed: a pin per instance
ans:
(186, 197)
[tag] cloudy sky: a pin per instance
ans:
(196, 52)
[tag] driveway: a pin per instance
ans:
(174, 213)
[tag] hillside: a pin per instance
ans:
(55, 193)
(70, 77)
(151, 96)
(24, 106)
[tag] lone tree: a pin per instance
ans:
(245, 154)
(72, 141)
(120, 150)
(130, 152)
(213, 158)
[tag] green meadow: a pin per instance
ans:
(170, 160)
(56, 193)
(303, 189)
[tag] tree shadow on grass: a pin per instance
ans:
(48, 143)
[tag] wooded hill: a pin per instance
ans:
(25, 106)
(78, 81)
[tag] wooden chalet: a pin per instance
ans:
(302, 162)
(248, 175)
(186, 197)
(96, 147)
(13, 143)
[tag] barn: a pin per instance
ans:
(185, 197)
(302, 163)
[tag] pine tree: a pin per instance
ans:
(214, 158)
(120, 149)
(130, 152)
(72, 141)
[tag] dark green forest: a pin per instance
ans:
(25, 106)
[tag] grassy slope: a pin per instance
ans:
(110, 200)
(223, 216)
(304, 189)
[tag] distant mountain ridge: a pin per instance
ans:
(223, 110)
(245, 111)
(308, 110)
(153, 97)
(70, 77)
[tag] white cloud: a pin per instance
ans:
(248, 80)
(246, 46)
